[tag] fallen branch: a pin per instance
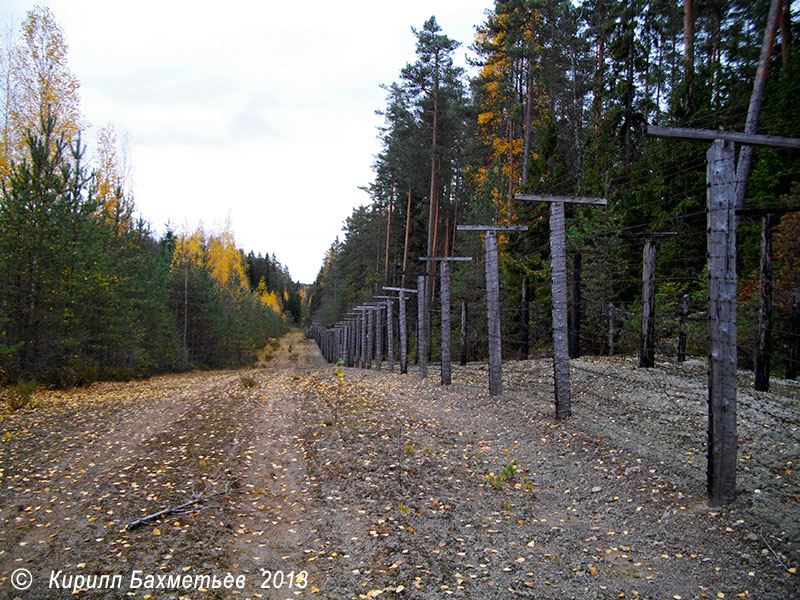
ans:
(172, 510)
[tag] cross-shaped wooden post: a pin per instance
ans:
(493, 300)
(444, 286)
(722, 305)
(558, 268)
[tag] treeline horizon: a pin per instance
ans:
(87, 291)
(559, 104)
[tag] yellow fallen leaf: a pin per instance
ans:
(156, 531)
(374, 593)
(592, 570)
(314, 589)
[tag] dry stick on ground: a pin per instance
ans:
(171, 510)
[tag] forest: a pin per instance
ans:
(557, 101)
(87, 290)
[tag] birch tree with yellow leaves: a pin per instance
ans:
(38, 85)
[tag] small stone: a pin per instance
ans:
(597, 490)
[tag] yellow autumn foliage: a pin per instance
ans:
(37, 85)
(115, 204)
(270, 299)
(226, 262)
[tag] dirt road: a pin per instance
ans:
(356, 485)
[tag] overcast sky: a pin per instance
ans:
(260, 111)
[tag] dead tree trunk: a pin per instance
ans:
(721, 474)
(764, 351)
(756, 99)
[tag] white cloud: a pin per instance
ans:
(258, 110)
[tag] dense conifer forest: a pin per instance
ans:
(557, 101)
(87, 290)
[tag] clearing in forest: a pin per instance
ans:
(313, 484)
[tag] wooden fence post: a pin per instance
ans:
(363, 355)
(390, 333)
(493, 311)
(444, 284)
(493, 300)
(378, 336)
(463, 333)
(793, 363)
(387, 304)
(682, 336)
(370, 336)
(611, 322)
(721, 473)
(422, 347)
(764, 351)
(721, 184)
(403, 325)
(648, 342)
(575, 308)
(444, 289)
(558, 271)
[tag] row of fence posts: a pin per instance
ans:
(356, 340)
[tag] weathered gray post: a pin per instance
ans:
(378, 336)
(363, 338)
(370, 336)
(720, 181)
(493, 300)
(422, 346)
(611, 321)
(764, 351)
(647, 357)
(402, 325)
(444, 286)
(575, 308)
(721, 479)
(390, 333)
(463, 333)
(682, 337)
(558, 269)
(387, 304)
(493, 310)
